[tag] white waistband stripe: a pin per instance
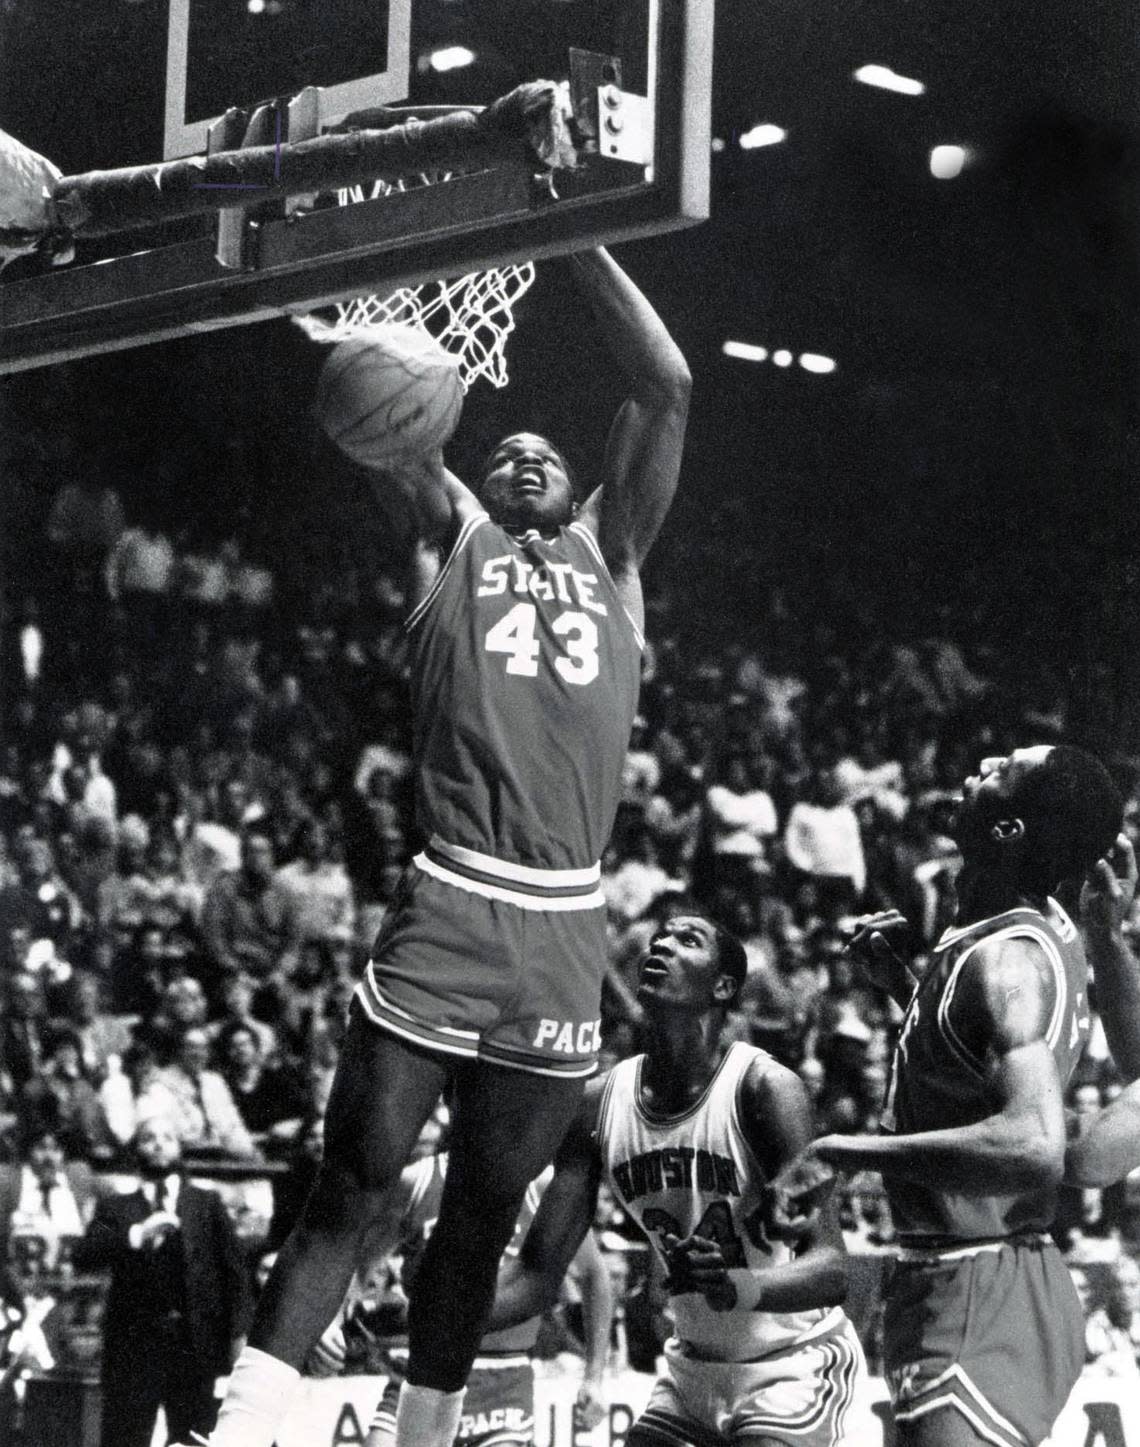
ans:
(545, 904)
(518, 873)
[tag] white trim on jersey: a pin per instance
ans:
(519, 873)
(582, 531)
(1026, 929)
(935, 1255)
(462, 1037)
(542, 903)
(955, 1372)
(465, 532)
(427, 1038)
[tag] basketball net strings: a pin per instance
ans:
(470, 316)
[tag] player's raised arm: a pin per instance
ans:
(1002, 1010)
(531, 1284)
(1106, 901)
(421, 498)
(643, 453)
(878, 942)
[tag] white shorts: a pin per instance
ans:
(813, 1394)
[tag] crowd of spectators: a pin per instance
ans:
(206, 803)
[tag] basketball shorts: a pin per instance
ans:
(497, 1408)
(809, 1395)
(470, 963)
(994, 1331)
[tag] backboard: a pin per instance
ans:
(644, 170)
(220, 55)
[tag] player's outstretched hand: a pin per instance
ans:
(1109, 889)
(697, 1264)
(793, 1201)
(590, 1407)
(878, 942)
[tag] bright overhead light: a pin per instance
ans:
(946, 162)
(762, 135)
(782, 358)
(886, 79)
(815, 362)
(451, 57)
(718, 144)
(256, 7)
(745, 351)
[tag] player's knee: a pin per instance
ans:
(345, 1195)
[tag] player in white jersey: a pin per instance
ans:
(689, 1139)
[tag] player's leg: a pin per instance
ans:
(383, 1091)
(506, 1126)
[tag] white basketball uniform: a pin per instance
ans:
(789, 1376)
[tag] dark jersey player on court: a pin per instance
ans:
(524, 633)
(984, 1336)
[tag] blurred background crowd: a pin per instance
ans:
(206, 805)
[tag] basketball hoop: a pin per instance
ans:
(470, 316)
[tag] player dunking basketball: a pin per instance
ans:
(984, 1336)
(524, 637)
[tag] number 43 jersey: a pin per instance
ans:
(695, 1172)
(525, 671)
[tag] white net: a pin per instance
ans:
(470, 316)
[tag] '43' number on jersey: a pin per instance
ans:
(515, 635)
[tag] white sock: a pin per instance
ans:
(427, 1417)
(259, 1395)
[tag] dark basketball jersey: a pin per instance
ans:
(938, 1083)
(426, 1192)
(525, 677)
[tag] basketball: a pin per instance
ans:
(390, 389)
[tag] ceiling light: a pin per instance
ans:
(451, 57)
(946, 162)
(782, 358)
(762, 135)
(815, 362)
(886, 79)
(745, 351)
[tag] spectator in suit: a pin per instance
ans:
(178, 1297)
(45, 1199)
